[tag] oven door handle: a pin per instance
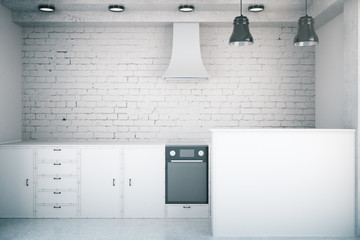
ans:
(187, 161)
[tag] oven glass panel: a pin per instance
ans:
(187, 153)
(187, 183)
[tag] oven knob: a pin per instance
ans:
(172, 153)
(201, 153)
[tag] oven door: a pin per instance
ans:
(187, 182)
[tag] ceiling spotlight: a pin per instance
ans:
(256, 7)
(46, 8)
(116, 8)
(186, 8)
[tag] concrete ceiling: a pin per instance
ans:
(154, 12)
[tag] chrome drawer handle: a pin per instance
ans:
(27, 182)
(57, 164)
(57, 206)
(186, 206)
(130, 182)
(113, 182)
(57, 178)
(57, 149)
(57, 192)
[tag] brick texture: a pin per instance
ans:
(103, 83)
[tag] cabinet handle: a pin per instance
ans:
(27, 182)
(186, 206)
(130, 182)
(57, 164)
(57, 192)
(57, 178)
(57, 149)
(114, 182)
(57, 206)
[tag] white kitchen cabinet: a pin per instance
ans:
(16, 183)
(54, 197)
(56, 183)
(53, 168)
(57, 176)
(56, 154)
(144, 183)
(187, 210)
(100, 183)
(57, 211)
(70, 181)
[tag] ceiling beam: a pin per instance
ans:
(94, 12)
(101, 17)
(152, 2)
(324, 11)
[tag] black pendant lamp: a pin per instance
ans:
(306, 35)
(241, 35)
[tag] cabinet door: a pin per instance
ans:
(100, 183)
(16, 183)
(144, 182)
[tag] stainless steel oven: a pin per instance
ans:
(186, 174)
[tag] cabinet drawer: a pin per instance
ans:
(56, 154)
(187, 211)
(56, 168)
(56, 211)
(56, 197)
(65, 183)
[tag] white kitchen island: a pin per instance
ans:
(283, 183)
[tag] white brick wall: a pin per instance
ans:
(106, 83)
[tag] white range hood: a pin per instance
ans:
(186, 62)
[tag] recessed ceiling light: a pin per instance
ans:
(186, 8)
(116, 8)
(46, 8)
(256, 7)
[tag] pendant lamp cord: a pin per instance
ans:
(306, 7)
(240, 7)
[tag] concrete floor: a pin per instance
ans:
(114, 229)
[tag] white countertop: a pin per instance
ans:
(63, 143)
(281, 130)
(96, 143)
(135, 143)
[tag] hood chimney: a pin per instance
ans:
(186, 62)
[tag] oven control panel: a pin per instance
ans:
(178, 152)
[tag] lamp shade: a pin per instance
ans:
(241, 35)
(306, 35)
